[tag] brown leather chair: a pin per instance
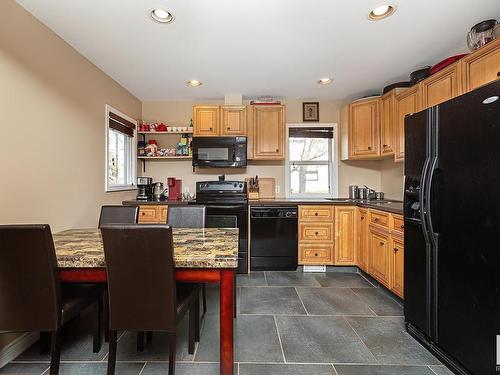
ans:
(118, 215)
(31, 294)
(143, 293)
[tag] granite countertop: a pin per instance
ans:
(193, 248)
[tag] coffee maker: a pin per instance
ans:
(144, 188)
(174, 188)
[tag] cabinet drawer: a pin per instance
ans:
(316, 232)
(379, 218)
(315, 254)
(398, 224)
(163, 214)
(316, 213)
(148, 214)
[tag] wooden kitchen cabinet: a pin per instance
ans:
(315, 254)
(397, 265)
(152, 214)
(364, 126)
(206, 121)
(387, 136)
(233, 121)
(406, 103)
(380, 256)
(362, 248)
(316, 234)
(316, 213)
(440, 87)
(481, 67)
(345, 235)
(268, 132)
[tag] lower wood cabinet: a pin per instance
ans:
(152, 214)
(379, 261)
(345, 236)
(397, 265)
(363, 248)
(315, 254)
(316, 234)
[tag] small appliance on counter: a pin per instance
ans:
(144, 188)
(353, 192)
(174, 188)
(159, 191)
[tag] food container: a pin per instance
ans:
(420, 74)
(496, 31)
(353, 192)
(481, 34)
(379, 195)
(363, 193)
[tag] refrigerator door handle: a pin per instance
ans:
(430, 224)
(422, 198)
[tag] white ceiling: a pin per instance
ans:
(259, 47)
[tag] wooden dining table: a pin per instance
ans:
(201, 255)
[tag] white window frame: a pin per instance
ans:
(333, 163)
(131, 159)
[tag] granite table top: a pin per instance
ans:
(193, 248)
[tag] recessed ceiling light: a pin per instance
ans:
(381, 12)
(161, 15)
(194, 83)
(325, 81)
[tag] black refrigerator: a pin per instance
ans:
(452, 230)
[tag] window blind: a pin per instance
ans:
(121, 125)
(315, 132)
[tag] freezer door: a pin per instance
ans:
(465, 216)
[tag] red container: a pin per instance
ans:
(443, 64)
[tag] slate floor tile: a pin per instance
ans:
(388, 341)
(161, 368)
(279, 369)
(96, 368)
(441, 370)
(24, 368)
(379, 301)
(321, 339)
(255, 340)
(213, 302)
(343, 280)
(270, 300)
(291, 278)
(382, 370)
(254, 278)
(332, 301)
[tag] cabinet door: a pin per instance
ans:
(397, 266)
(206, 120)
(363, 239)
(380, 261)
(269, 132)
(364, 125)
(481, 67)
(148, 214)
(406, 103)
(233, 120)
(345, 235)
(163, 215)
(440, 87)
(387, 115)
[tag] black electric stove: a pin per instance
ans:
(223, 199)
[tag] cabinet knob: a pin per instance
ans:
(376, 219)
(315, 254)
(315, 214)
(369, 147)
(362, 218)
(381, 243)
(228, 128)
(210, 128)
(396, 249)
(316, 233)
(143, 213)
(402, 226)
(277, 150)
(385, 146)
(498, 74)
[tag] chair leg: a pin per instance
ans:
(44, 342)
(149, 337)
(140, 341)
(191, 329)
(234, 296)
(171, 355)
(106, 315)
(97, 326)
(55, 352)
(204, 293)
(197, 319)
(112, 352)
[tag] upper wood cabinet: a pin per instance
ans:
(268, 132)
(481, 66)
(362, 248)
(406, 103)
(440, 87)
(206, 120)
(233, 120)
(364, 127)
(387, 106)
(345, 235)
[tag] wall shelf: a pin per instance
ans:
(160, 158)
(165, 133)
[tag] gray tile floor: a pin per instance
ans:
(289, 323)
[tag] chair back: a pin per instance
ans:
(186, 216)
(118, 215)
(30, 293)
(141, 278)
(221, 221)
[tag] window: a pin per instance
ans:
(120, 151)
(310, 169)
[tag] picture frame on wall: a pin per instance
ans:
(310, 111)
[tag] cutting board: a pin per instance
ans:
(267, 188)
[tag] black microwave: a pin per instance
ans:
(219, 152)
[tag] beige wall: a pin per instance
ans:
(179, 113)
(392, 179)
(52, 127)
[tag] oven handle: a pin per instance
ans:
(226, 207)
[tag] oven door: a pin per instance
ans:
(219, 152)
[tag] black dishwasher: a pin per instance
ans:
(273, 238)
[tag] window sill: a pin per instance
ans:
(120, 188)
